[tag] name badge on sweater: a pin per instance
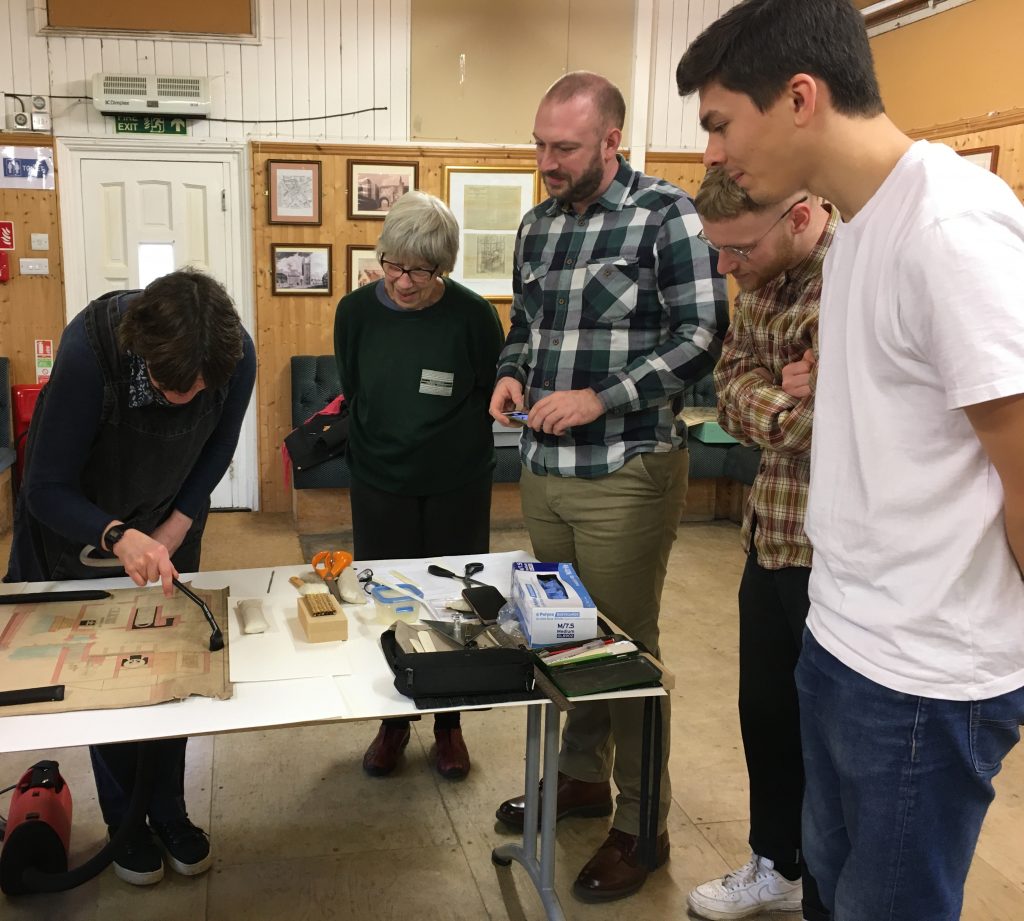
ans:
(437, 383)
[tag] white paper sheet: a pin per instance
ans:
(282, 652)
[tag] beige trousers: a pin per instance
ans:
(617, 531)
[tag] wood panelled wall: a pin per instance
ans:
(685, 170)
(1004, 131)
(304, 324)
(31, 306)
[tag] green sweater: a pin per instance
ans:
(418, 384)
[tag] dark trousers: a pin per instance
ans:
(389, 526)
(114, 769)
(773, 609)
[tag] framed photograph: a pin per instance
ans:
(295, 189)
(985, 157)
(363, 267)
(489, 202)
(374, 187)
(300, 269)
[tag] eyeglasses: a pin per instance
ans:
(743, 252)
(394, 271)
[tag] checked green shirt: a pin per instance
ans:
(624, 299)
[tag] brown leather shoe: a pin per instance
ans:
(615, 871)
(575, 797)
(384, 751)
(452, 756)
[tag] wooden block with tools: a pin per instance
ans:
(322, 618)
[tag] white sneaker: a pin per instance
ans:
(755, 887)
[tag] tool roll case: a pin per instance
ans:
(460, 677)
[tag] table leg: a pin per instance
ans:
(541, 871)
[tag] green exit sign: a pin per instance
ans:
(149, 124)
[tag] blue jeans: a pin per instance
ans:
(897, 787)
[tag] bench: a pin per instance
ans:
(720, 475)
(320, 495)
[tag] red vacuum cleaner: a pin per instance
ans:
(35, 847)
(38, 827)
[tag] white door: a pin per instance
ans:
(150, 219)
(143, 215)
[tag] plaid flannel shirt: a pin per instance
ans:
(624, 299)
(772, 327)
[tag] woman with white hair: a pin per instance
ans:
(416, 356)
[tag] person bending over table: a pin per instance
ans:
(130, 436)
(416, 357)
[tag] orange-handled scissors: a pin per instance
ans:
(328, 565)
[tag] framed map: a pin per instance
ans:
(489, 202)
(294, 190)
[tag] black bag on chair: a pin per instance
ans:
(322, 436)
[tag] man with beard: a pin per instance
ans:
(617, 305)
(765, 383)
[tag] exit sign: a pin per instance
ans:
(149, 124)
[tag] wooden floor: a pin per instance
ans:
(299, 832)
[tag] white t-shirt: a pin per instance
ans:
(914, 585)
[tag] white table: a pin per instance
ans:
(366, 693)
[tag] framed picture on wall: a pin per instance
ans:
(374, 187)
(363, 266)
(301, 269)
(985, 157)
(489, 202)
(294, 191)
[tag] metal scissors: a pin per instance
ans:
(471, 570)
(328, 565)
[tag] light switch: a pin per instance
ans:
(41, 241)
(34, 266)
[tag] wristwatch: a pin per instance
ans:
(113, 534)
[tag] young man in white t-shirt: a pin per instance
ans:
(911, 679)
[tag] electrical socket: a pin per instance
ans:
(19, 121)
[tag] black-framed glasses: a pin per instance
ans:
(394, 271)
(743, 252)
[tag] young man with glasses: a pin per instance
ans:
(617, 306)
(765, 384)
(911, 678)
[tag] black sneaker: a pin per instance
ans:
(186, 847)
(138, 860)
